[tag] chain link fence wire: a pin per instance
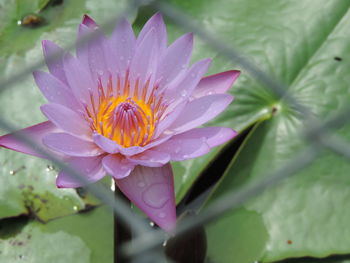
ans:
(146, 243)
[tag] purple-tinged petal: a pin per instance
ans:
(144, 63)
(89, 22)
(155, 22)
(35, 133)
(213, 136)
(199, 111)
(216, 84)
(53, 56)
(150, 158)
(112, 147)
(67, 120)
(181, 149)
(71, 145)
(170, 117)
(89, 167)
(79, 79)
(152, 190)
(55, 91)
(96, 53)
(185, 87)
(117, 166)
(123, 41)
(105, 144)
(172, 63)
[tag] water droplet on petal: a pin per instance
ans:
(183, 93)
(75, 208)
(141, 184)
(156, 196)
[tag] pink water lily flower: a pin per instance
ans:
(126, 107)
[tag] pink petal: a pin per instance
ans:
(53, 56)
(155, 22)
(185, 87)
(117, 166)
(106, 144)
(54, 90)
(144, 63)
(112, 147)
(67, 120)
(96, 53)
(150, 158)
(172, 63)
(71, 145)
(152, 190)
(123, 41)
(181, 149)
(213, 136)
(216, 84)
(89, 22)
(89, 167)
(79, 79)
(34, 133)
(199, 111)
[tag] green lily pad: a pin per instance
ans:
(308, 214)
(63, 240)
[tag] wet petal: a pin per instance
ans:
(181, 149)
(89, 167)
(53, 56)
(123, 41)
(152, 190)
(67, 120)
(155, 23)
(144, 63)
(150, 158)
(79, 79)
(213, 136)
(117, 166)
(199, 111)
(172, 64)
(71, 145)
(54, 90)
(96, 53)
(34, 133)
(183, 89)
(216, 84)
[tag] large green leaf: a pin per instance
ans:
(64, 240)
(27, 183)
(278, 36)
(306, 45)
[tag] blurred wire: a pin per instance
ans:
(148, 242)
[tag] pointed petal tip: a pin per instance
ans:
(152, 190)
(88, 21)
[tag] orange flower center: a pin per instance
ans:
(124, 115)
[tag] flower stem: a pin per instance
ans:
(122, 233)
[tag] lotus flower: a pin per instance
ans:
(126, 107)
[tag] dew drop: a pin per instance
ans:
(183, 93)
(75, 208)
(151, 224)
(156, 196)
(141, 184)
(12, 172)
